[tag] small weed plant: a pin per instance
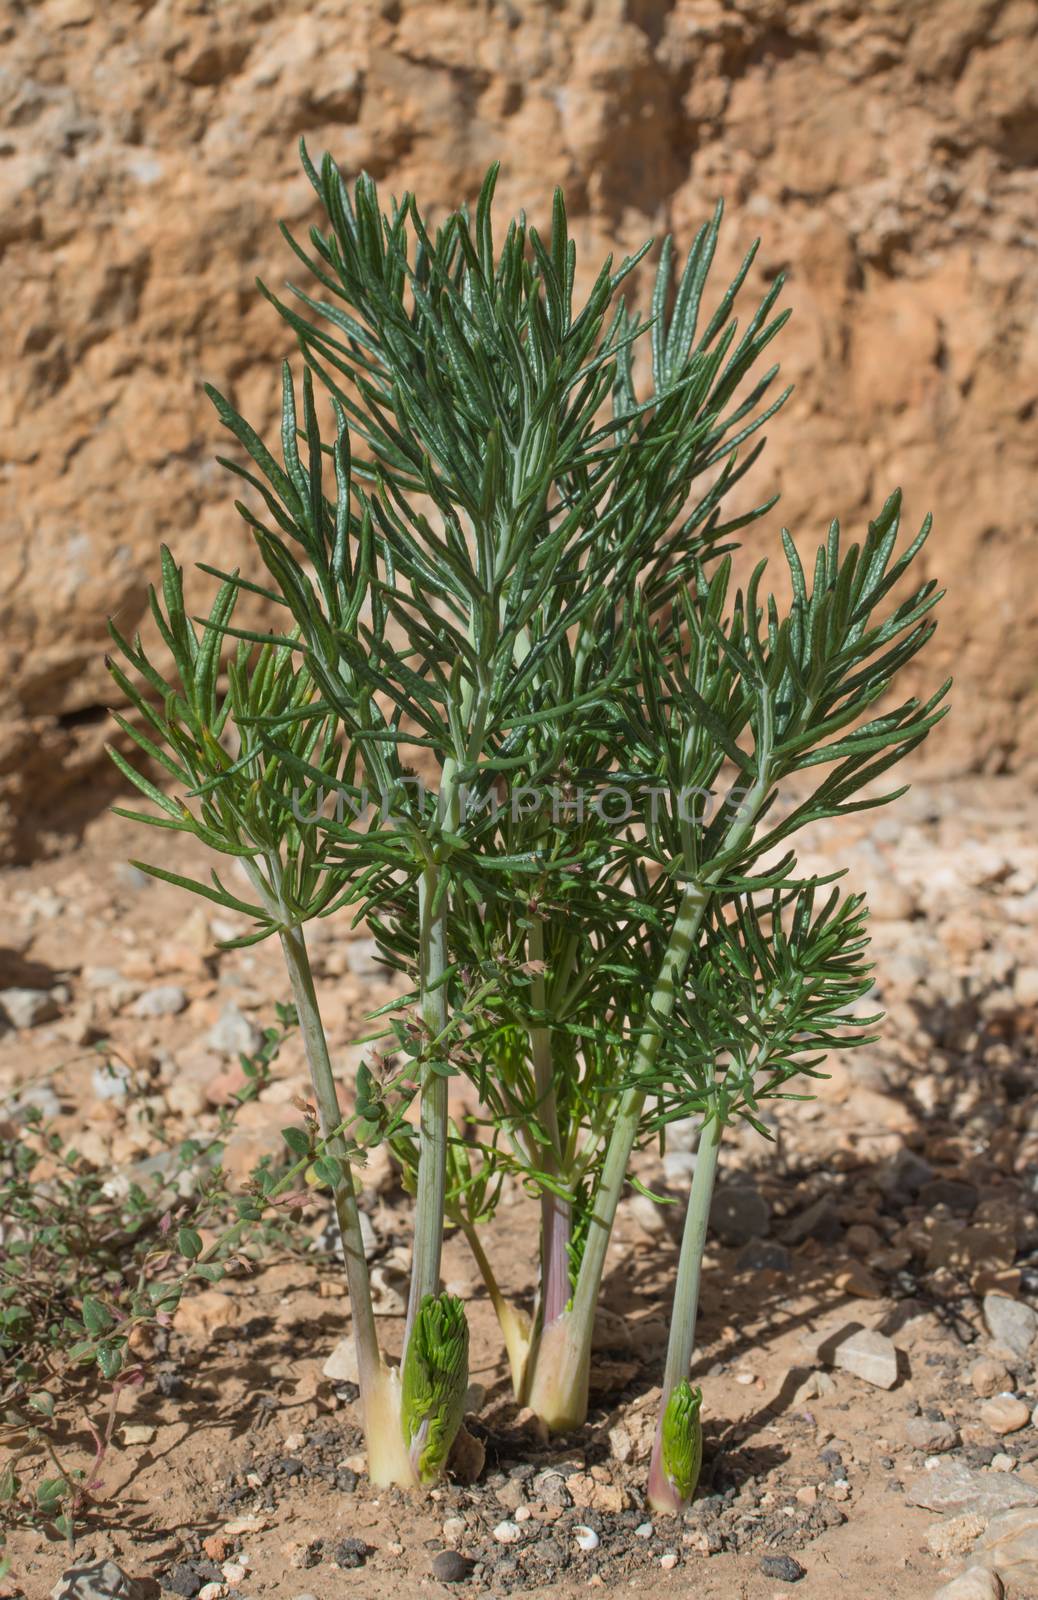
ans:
(92, 1269)
(511, 710)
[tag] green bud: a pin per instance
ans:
(435, 1378)
(683, 1439)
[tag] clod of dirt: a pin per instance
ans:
(350, 1553)
(187, 1577)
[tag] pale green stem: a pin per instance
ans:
(662, 1493)
(369, 1360)
(555, 1212)
(559, 1383)
(433, 1111)
(558, 1391)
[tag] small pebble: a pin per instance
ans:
(165, 1001)
(586, 1538)
(450, 1566)
(1004, 1413)
(989, 1377)
(523, 1513)
(643, 1530)
(669, 1560)
(507, 1533)
(784, 1568)
(454, 1531)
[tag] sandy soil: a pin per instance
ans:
(254, 1461)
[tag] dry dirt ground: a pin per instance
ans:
(901, 1201)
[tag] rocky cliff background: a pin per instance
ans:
(885, 153)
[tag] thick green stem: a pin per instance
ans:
(433, 1111)
(388, 1461)
(555, 1211)
(664, 1493)
(558, 1391)
(559, 1383)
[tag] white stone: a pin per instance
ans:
(165, 1001)
(110, 1082)
(509, 1533)
(586, 1538)
(868, 1355)
(341, 1365)
(1010, 1322)
(234, 1034)
(137, 1433)
(27, 1008)
(975, 1584)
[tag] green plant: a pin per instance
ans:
(91, 1271)
(513, 601)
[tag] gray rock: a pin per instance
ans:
(679, 1167)
(1010, 1545)
(738, 1214)
(953, 1486)
(961, 1197)
(977, 1583)
(234, 1034)
(26, 1008)
(39, 1097)
(870, 1356)
(932, 1435)
(107, 982)
(549, 1489)
(165, 1001)
(684, 1133)
(363, 959)
(110, 1082)
(1010, 1322)
(132, 877)
(100, 1580)
(785, 1568)
(820, 1221)
(763, 1255)
(905, 1174)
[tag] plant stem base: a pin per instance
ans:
(388, 1459)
